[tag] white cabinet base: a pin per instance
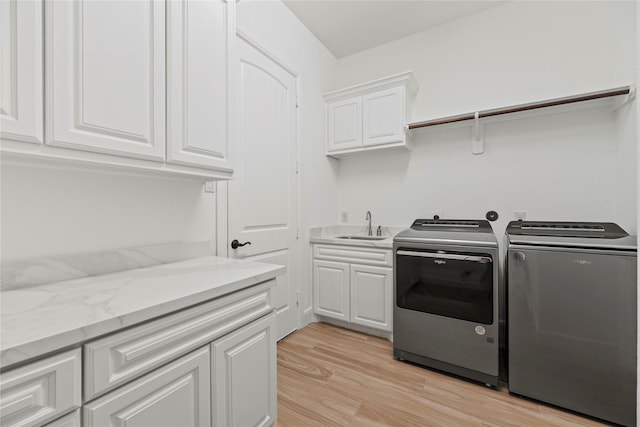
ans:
(176, 395)
(41, 391)
(331, 289)
(244, 367)
(371, 296)
(354, 286)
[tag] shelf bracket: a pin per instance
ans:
(630, 97)
(477, 139)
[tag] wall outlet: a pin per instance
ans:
(210, 187)
(519, 215)
(345, 216)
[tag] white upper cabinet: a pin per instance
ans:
(200, 38)
(383, 118)
(369, 116)
(21, 65)
(105, 77)
(344, 118)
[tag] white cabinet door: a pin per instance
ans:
(199, 46)
(371, 296)
(244, 372)
(40, 391)
(383, 117)
(344, 124)
(21, 94)
(331, 289)
(175, 395)
(106, 76)
(74, 419)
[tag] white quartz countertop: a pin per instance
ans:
(41, 319)
(332, 235)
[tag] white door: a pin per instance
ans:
(21, 64)
(244, 366)
(262, 202)
(178, 394)
(383, 117)
(344, 124)
(371, 296)
(331, 289)
(106, 76)
(200, 35)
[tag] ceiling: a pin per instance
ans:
(346, 27)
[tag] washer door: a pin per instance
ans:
(572, 329)
(451, 284)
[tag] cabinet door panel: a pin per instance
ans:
(371, 296)
(244, 366)
(383, 117)
(72, 420)
(176, 395)
(331, 289)
(199, 88)
(41, 391)
(344, 124)
(105, 71)
(21, 70)
(118, 358)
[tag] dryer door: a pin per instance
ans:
(572, 329)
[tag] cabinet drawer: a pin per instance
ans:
(371, 256)
(121, 357)
(42, 391)
(71, 420)
(176, 395)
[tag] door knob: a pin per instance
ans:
(235, 244)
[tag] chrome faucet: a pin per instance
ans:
(368, 217)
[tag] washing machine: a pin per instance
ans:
(446, 298)
(571, 316)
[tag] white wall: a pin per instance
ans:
(571, 166)
(55, 211)
(277, 30)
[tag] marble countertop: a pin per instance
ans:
(331, 234)
(37, 320)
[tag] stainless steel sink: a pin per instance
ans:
(363, 237)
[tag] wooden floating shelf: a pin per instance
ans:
(625, 90)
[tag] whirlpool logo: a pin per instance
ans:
(439, 261)
(582, 261)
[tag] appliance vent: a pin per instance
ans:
(562, 226)
(450, 223)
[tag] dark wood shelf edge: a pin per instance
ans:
(625, 90)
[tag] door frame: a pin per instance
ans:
(222, 189)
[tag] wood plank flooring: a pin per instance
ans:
(329, 376)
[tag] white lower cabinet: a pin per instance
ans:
(331, 289)
(244, 376)
(175, 395)
(210, 365)
(41, 391)
(371, 296)
(353, 292)
(213, 364)
(73, 419)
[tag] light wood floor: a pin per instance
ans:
(329, 376)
